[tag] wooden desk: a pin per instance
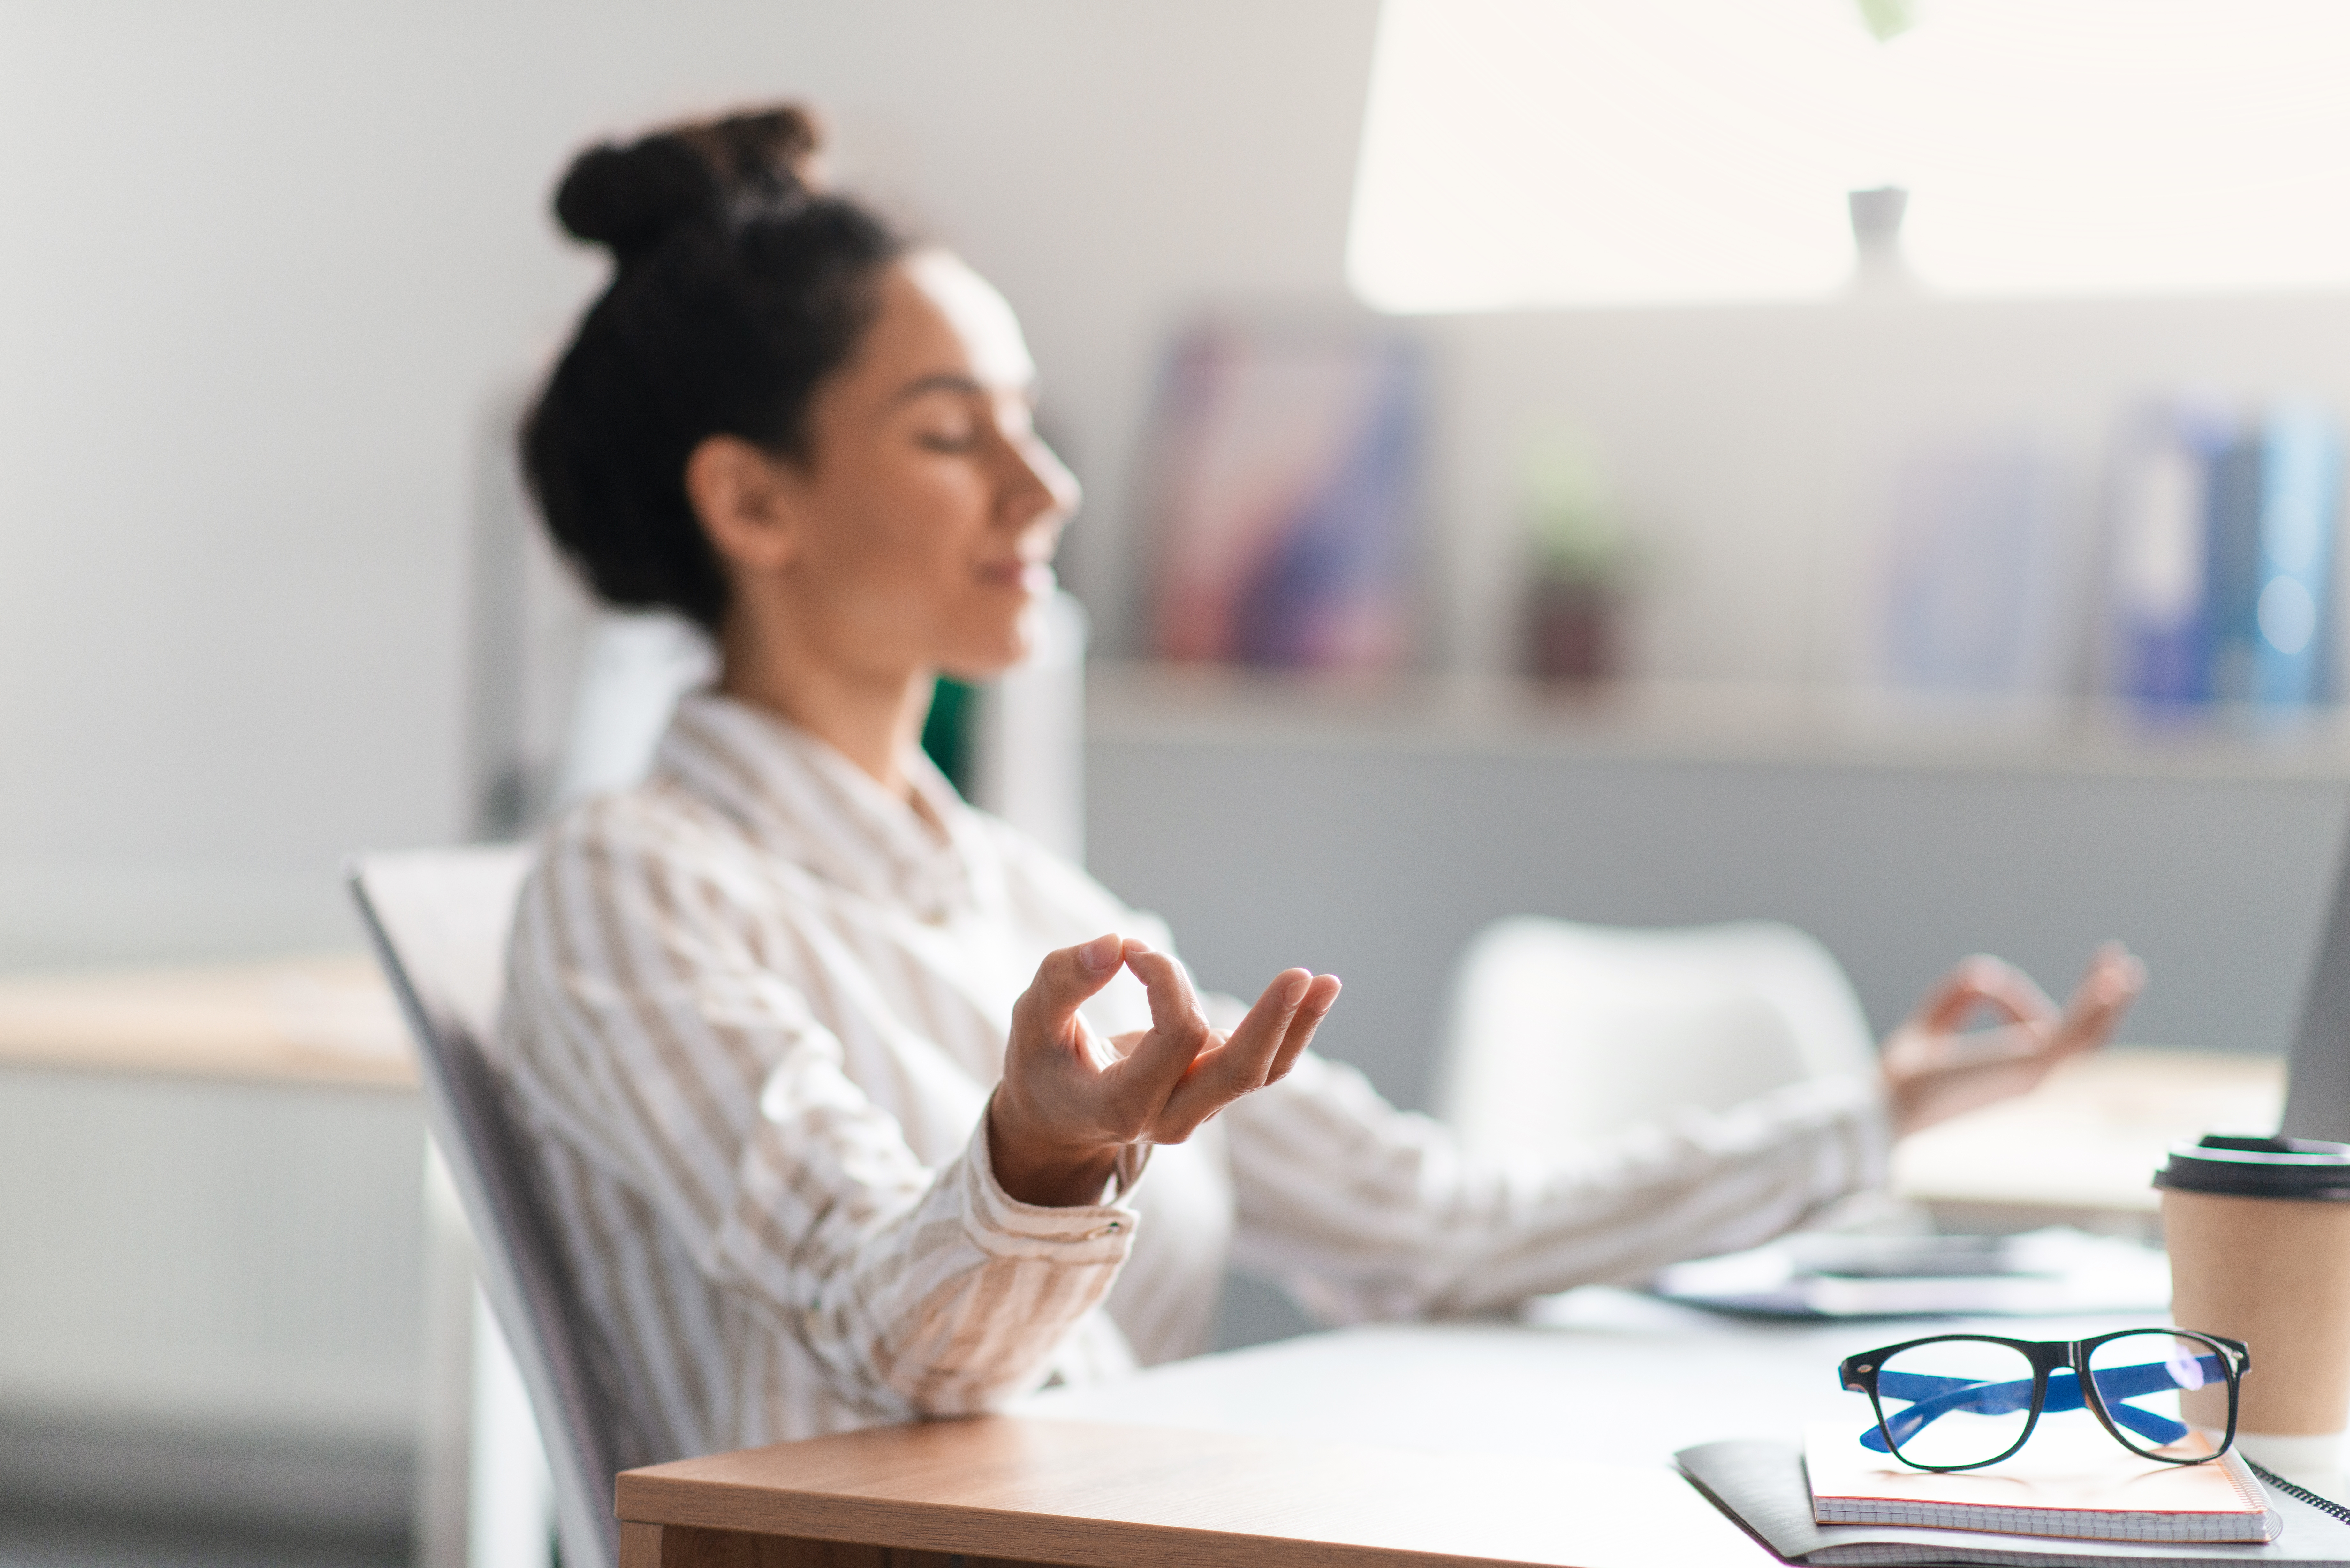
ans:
(1464, 1443)
(1468, 1443)
(1029, 1490)
(2083, 1148)
(326, 1020)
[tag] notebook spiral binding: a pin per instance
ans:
(2300, 1493)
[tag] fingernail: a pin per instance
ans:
(1137, 945)
(1293, 991)
(1101, 952)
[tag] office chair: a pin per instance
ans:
(1558, 1030)
(438, 921)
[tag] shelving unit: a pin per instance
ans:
(1395, 818)
(1702, 723)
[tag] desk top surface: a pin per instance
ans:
(1484, 1443)
(1029, 1487)
(324, 1020)
(1605, 1377)
(2089, 1139)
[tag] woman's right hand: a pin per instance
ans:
(1070, 1101)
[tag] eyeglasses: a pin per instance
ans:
(1965, 1400)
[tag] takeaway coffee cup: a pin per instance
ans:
(2258, 1230)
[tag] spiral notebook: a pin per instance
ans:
(2071, 1479)
(1760, 1483)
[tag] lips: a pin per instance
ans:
(1034, 577)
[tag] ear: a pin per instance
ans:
(743, 497)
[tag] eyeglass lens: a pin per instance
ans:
(1953, 1403)
(2156, 1386)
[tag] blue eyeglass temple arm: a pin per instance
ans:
(1938, 1396)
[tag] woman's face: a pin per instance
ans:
(927, 511)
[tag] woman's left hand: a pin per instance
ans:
(1935, 1068)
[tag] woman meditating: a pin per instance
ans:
(853, 1104)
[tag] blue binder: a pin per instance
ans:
(2301, 500)
(2164, 621)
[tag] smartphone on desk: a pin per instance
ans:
(1839, 1274)
(1865, 1257)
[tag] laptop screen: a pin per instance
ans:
(2317, 1097)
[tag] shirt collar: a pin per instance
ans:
(799, 796)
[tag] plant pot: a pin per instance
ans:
(1570, 631)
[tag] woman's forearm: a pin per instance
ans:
(1369, 1212)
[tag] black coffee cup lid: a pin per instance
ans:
(2240, 1166)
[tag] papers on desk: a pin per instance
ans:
(2057, 1271)
(1761, 1484)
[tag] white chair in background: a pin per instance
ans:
(1558, 1031)
(438, 921)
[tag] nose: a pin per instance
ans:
(1042, 489)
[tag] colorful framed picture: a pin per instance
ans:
(1282, 499)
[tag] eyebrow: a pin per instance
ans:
(947, 381)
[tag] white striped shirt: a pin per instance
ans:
(756, 1007)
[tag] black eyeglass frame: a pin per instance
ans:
(1859, 1374)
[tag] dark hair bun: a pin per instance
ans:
(742, 287)
(631, 199)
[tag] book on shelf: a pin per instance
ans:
(2220, 583)
(2292, 608)
(2161, 558)
(1976, 576)
(1762, 1484)
(2232, 539)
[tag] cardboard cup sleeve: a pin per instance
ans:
(2258, 1231)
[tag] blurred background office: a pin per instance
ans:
(1864, 463)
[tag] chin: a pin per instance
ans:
(975, 666)
(987, 653)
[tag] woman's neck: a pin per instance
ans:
(871, 717)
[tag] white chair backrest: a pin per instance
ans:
(439, 921)
(1558, 1030)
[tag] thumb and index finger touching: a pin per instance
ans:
(1070, 977)
(1178, 1029)
(1982, 983)
(1067, 980)
(1156, 1065)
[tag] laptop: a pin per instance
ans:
(2317, 1094)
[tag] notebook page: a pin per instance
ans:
(2071, 1479)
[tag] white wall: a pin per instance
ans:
(269, 264)
(270, 267)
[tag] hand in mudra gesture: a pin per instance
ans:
(1071, 1100)
(1936, 1068)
